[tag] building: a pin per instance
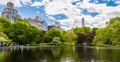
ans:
(83, 22)
(56, 25)
(38, 22)
(9, 12)
(51, 26)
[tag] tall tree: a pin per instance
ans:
(102, 37)
(115, 27)
(94, 30)
(78, 30)
(49, 35)
(23, 33)
(5, 22)
(70, 37)
(89, 38)
(83, 30)
(81, 38)
(112, 21)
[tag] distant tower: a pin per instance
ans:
(37, 18)
(57, 25)
(10, 5)
(83, 20)
(9, 12)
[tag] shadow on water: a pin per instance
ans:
(86, 54)
(60, 54)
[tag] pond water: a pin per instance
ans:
(60, 54)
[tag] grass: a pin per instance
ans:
(69, 43)
(60, 44)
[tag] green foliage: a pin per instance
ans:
(63, 32)
(94, 30)
(83, 30)
(78, 30)
(4, 38)
(102, 37)
(5, 22)
(4, 35)
(83, 34)
(56, 41)
(86, 29)
(49, 35)
(112, 21)
(1, 27)
(70, 37)
(115, 38)
(23, 33)
(21, 20)
(109, 35)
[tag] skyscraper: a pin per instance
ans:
(9, 12)
(83, 20)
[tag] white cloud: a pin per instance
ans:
(51, 17)
(17, 3)
(3, 2)
(26, 1)
(74, 15)
(73, 12)
(36, 4)
(118, 1)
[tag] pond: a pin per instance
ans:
(60, 54)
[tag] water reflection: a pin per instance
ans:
(59, 54)
(86, 54)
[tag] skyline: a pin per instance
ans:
(69, 13)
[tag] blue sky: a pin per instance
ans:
(68, 12)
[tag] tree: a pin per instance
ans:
(23, 33)
(84, 34)
(109, 35)
(112, 21)
(1, 27)
(63, 32)
(5, 22)
(78, 30)
(81, 38)
(33, 35)
(83, 30)
(86, 29)
(49, 35)
(115, 27)
(70, 37)
(42, 35)
(89, 38)
(94, 30)
(102, 37)
(56, 41)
